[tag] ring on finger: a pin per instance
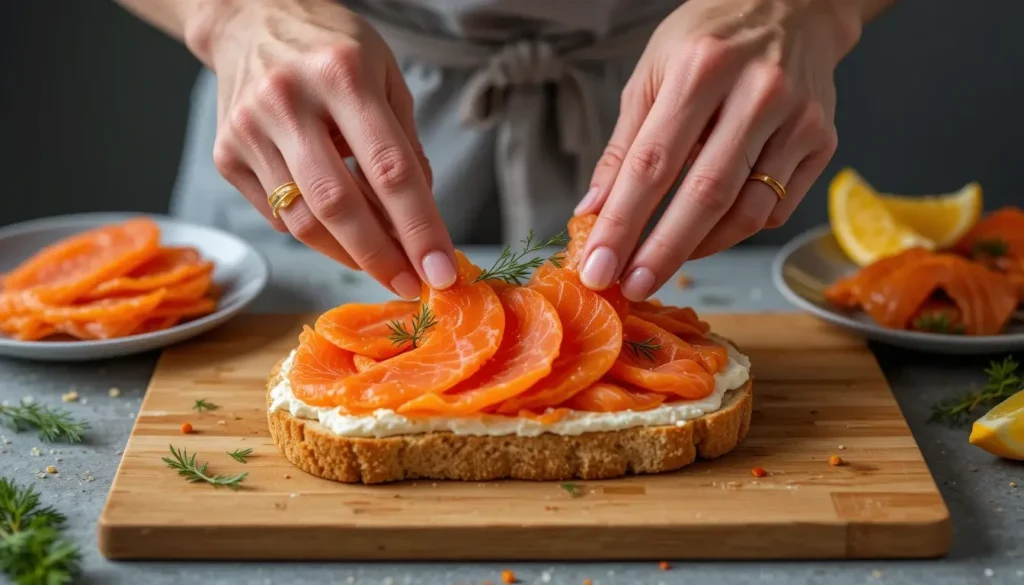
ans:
(283, 196)
(776, 186)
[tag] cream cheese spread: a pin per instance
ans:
(386, 423)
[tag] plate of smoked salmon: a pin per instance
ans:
(508, 374)
(961, 298)
(101, 285)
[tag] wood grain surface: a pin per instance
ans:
(817, 392)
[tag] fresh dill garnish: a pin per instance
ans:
(53, 424)
(202, 405)
(574, 490)
(241, 455)
(1003, 381)
(420, 323)
(994, 248)
(511, 266)
(32, 550)
(645, 348)
(187, 467)
(937, 323)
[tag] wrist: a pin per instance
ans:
(846, 22)
(205, 23)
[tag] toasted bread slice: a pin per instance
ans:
(598, 455)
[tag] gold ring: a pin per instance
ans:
(775, 185)
(283, 196)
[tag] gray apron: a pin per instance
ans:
(514, 101)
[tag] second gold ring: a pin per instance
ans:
(282, 197)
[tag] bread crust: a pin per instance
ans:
(548, 457)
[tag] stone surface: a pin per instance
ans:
(988, 515)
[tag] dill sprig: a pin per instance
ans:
(202, 405)
(1003, 382)
(53, 424)
(994, 248)
(420, 323)
(187, 467)
(511, 266)
(574, 490)
(645, 348)
(241, 455)
(937, 323)
(32, 550)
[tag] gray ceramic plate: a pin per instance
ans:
(240, 271)
(807, 265)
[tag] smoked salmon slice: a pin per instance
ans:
(318, 364)
(467, 326)
(848, 292)
(366, 329)
(610, 397)
(529, 345)
(363, 363)
(170, 267)
(656, 360)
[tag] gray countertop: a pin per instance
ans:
(988, 514)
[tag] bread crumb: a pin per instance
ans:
(51, 469)
(186, 428)
(758, 472)
(664, 566)
(508, 577)
(286, 476)
(41, 475)
(989, 573)
(842, 447)
(36, 452)
(835, 461)
(1013, 484)
(69, 397)
(222, 422)
(114, 392)
(876, 574)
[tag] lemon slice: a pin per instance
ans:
(862, 223)
(1001, 430)
(944, 218)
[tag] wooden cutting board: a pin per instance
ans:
(817, 392)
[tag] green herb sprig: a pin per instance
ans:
(32, 550)
(513, 268)
(574, 490)
(1003, 382)
(241, 455)
(53, 424)
(646, 348)
(187, 467)
(994, 248)
(202, 405)
(420, 323)
(938, 322)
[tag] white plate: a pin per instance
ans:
(806, 266)
(239, 270)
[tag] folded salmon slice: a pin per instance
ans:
(170, 267)
(364, 328)
(318, 364)
(467, 332)
(654, 359)
(849, 292)
(607, 396)
(529, 345)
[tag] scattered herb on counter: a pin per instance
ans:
(202, 405)
(938, 322)
(420, 323)
(511, 266)
(574, 490)
(994, 248)
(1003, 381)
(645, 348)
(241, 455)
(53, 424)
(32, 550)
(187, 467)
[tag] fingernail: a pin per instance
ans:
(439, 270)
(586, 201)
(638, 285)
(407, 285)
(599, 269)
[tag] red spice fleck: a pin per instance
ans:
(664, 566)
(835, 461)
(587, 582)
(488, 583)
(186, 428)
(758, 472)
(508, 577)
(684, 281)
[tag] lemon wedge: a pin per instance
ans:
(1001, 430)
(944, 218)
(862, 223)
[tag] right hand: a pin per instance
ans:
(303, 85)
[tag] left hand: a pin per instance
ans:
(730, 87)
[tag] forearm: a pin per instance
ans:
(193, 22)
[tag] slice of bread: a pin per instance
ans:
(598, 455)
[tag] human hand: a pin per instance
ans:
(303, 85)
(728, 87)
